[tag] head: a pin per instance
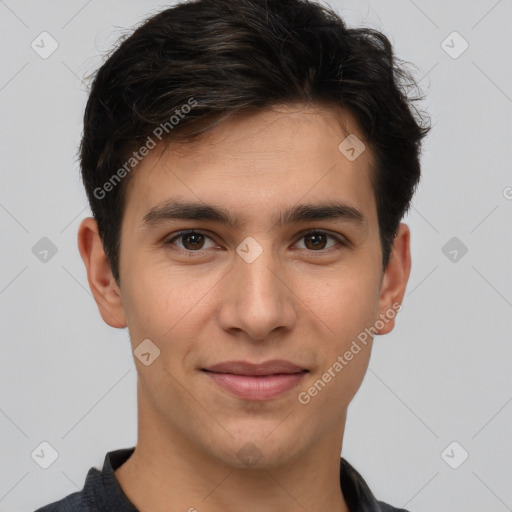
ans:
(239, 120)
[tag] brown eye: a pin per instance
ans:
(190, 241)
(318, 240)
(315, 241)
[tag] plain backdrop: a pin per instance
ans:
(438, 387)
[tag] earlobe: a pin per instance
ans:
(103, 286)
(395, 280)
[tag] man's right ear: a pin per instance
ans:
(103, 286)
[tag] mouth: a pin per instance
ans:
(256, 382)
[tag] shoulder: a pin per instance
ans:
(101, 490)
(80, 501)
(71, 503)
(357, 493)
(384, 507)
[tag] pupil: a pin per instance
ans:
(318, 240)
(194, 244)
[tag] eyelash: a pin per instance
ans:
(200, 252)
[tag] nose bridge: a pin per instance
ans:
(257, 279)
(257, 302)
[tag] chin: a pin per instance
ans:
(257, 449)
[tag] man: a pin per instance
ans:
(248, 164)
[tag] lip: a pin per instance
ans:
(257, 382)
(272, 367)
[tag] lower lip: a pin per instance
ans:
(252, 387)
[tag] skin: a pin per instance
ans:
(295, 302)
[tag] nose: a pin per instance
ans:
(256, 298)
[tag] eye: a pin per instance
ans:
(190, 241)
(317, 240)
(194, 241)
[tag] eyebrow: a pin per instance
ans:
(186, 210)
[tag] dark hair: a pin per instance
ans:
(207, 59)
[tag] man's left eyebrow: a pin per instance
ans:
(186, 210)
(331, 211)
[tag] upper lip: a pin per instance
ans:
(272, 367)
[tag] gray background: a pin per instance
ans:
(442, 375)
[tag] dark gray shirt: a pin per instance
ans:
(102, 492)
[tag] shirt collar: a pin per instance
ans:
(110, 496)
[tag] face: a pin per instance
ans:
(280, 260)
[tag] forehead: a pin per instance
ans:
(253, 160)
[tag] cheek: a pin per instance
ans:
(167, 315)
(170, 309)
(152, 296)
(345, 301)
(345, 349)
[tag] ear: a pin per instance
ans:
(99, 274)
(395, 279)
